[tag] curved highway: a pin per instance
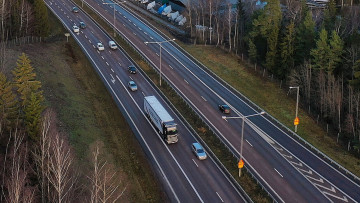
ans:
(289, 171)
(184, 178)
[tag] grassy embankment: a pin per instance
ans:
(88, 113)
(249, 185)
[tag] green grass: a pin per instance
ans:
(87, 113)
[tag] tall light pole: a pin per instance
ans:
(159, 43)
(297, 107)
(115, 3)
(242, 131)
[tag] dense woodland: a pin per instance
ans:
(317, 49)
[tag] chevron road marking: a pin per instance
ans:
(309, 172)
(319, 180)
(332, 189)
(298, 164)
(337, 197)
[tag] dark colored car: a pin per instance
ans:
(82, 25)
(132, 69)
(224, 108)
(75, 9)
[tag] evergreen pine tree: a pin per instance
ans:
(321, 52)
(336, 50)
(32, 111)
(252, 51)
(287, 51)
(41, 18)
(330, 16)
(8, 104)
(268, 23)
(305, 39)
(24, 78)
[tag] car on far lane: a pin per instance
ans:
(100, 46)
(82, 25)
(224, 108)
(132, 69)
(132, 86)
(75, 28)
(198, 151)
(112, 45)
(75, 9)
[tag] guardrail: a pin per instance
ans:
(250, 170)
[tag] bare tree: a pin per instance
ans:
(61, 175)
(105, 185)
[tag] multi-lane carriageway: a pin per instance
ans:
(184, 178)
(288, 170)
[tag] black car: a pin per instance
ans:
(132, 69)
(224, 108)
(82, 25)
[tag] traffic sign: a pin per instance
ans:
(241, 163)
(296, 121)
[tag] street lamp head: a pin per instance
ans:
(146, 42)
(223, 117)
(262, 113)
(173, 39)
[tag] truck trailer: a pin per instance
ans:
(162, 120)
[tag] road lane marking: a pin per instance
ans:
(119, 63)
(288, 156)
(131, 78)
(171, 67)
(332, 189)
(113, 79)
(343, 199)
(107, 63)
(195, 163)
(157, 54)
(309, 172)
(280, 149)
(134, 24)
(248, 142)
(91, 31)
(102, 57)
(98, 51)
(299, 164)
(139, 28)
(67, 16)
(186, 81)
(143, 93)
(151, 38)
(94, 46)
(134, 33)
(118, 78)
(203, 98)
(278, 172)
(124, 16)
(81, 30)
(90, 41)
(219, 197)
(71, 20)
(318, 180)
(129, 20)
(124, 25)
(112, 70)
(110, 52)
(145, 33)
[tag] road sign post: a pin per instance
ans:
(240, 166)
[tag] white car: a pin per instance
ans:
(112, 45)
(132, 86)
(75, 28)
(100, 46)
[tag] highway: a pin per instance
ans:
(288, 170)
(183, 177)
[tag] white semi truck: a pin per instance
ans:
(161, 119)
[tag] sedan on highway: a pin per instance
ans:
(75, 28)
(132, 86)
(82, 25)
(75, 9)
(224, 108)
(132, 69)
(100, 46)
(198, 151)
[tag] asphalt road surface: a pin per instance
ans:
(289, 171)
(184, 178)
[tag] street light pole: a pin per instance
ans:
(159, 43)
(242, 131)
(115, 3)
(297, 104)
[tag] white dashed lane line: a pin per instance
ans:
(112, 70)
(219, 197)
(171, 67)
(203, 98)
(278, 172)
(107, 63)
(102, 57)
(186, 81)
(195, 163)
(248, 142)
(157, 54)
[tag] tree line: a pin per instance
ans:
(317, 49)
(38, 163)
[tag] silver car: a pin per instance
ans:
(132, 86)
